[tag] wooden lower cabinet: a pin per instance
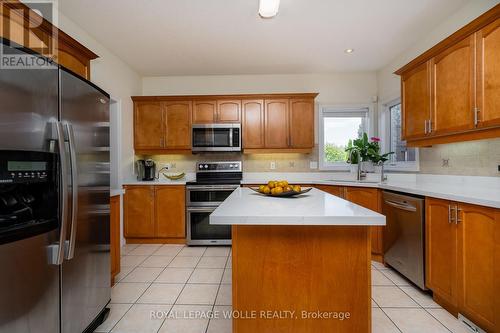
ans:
(138, 211)
(463, 259)
(154, 214)
(366, 197)
(369, 198)
(478, 261)
(334, 190)
(441, 252)
(114, 218)
(170, 213)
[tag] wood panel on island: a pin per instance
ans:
(463, 260)
(28, 29)
(154, 214)
(270, 123)
(451, 93)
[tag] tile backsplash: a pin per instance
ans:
(474, 158)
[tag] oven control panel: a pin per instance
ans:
(234, 166)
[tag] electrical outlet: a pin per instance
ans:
(313, 165)
(173, 166)
(445, 162)
(272, 165)
(291, 164)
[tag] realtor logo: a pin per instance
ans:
(28, 25)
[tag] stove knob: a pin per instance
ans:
(200, 166)
(206, 166)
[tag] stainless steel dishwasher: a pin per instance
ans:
(404, 235)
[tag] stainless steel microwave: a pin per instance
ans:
(216, 137)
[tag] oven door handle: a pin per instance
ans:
(208, 188)
(200, 209)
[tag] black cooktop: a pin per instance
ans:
(215, 182)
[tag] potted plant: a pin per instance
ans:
(359, 152)
(367, 152)
(376, 157)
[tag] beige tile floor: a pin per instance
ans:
(178, 282)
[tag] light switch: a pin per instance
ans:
(272, 165)
(313, 165)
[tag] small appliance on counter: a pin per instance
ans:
(146, 170)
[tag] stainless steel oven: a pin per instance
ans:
(216, 137)
(215, 181)
(201, 201)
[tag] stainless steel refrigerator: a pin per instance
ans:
(54, 201)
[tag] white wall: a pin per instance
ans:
(340, 88)
(114, 76)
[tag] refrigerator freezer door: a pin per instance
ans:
(29, 285)
(85, 278)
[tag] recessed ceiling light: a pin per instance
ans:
(268, 8)
(349, 51)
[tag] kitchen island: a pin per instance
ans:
(300, 264)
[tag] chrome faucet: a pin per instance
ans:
(360, 174)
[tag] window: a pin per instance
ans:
(404, 158)
(338, 125)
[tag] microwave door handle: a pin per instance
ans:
(70, 253)
(58, 257)
(230, 137)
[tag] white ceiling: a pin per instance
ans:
(205, 37)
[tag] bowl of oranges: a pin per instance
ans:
(280, 188)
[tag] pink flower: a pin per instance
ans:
(375, 139)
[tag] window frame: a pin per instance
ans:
(324, 111)
(385, 132)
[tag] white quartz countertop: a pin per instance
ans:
(246, 207)
(483, 191)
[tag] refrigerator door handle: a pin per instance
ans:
(57, 250)
(70, 252)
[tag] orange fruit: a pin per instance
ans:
(278, 190)
(271, 184)
(266, 190)
(261, 188)
(296, 188)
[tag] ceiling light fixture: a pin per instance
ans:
(349, 51)
(268, 8)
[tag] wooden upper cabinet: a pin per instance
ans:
(138, 211)
(26, 28)
(253, 123)
(479, 229)
(177, 116)
(204, 112)
(148, 125)
(277, 123)
(416, 102)
(441, 250)
(488, 75)
(453, 88)
(228, 111)
(301, 123)
(170, 211)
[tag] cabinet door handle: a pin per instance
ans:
(476, 116)
(425, 127)
(430, 126)
(450, 217)
(457, 216)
